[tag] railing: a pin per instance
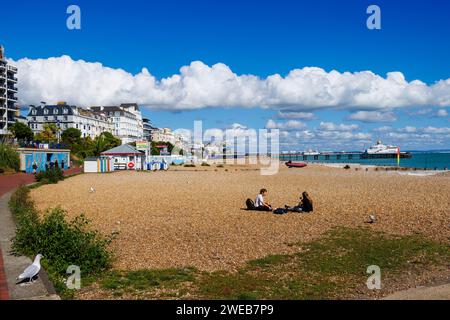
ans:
(11, 68)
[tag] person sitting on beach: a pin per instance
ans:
(260, 203)
(305, 204)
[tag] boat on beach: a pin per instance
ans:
(291, 164)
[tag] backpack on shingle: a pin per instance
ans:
(250, 204)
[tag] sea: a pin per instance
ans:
(435, 160)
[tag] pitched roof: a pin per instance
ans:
(124, 149)
(60, 108)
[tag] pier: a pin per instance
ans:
(340, 156)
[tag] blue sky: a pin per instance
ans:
(259, 38)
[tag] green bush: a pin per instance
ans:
(61, 242)
(9, 158)
(52, 175)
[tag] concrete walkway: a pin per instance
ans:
(11, 266)
(441, 292)
(14, 265)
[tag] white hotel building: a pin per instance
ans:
(9, 110)
(126, 120)
(91, 124)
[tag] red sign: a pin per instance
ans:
(130, 165)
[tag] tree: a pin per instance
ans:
(156, 151)
(103, 142)
(21, 131)
(111, 140)
(71, 136)
(48, 134)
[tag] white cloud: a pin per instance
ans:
(296, 115)
(288, 125)
(199, 85)
(383, 129)
(442, 113)
(423, 112)
(304, 135)
(443, 130)
(344, 136)
(329, 126)
(408, 129)
(373, 116)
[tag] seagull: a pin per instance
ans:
(372, 218)
(31, 271)
(92, 189)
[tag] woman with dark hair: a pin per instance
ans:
(305, 204)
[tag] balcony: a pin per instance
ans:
(12, 79)
(12, 88)
(12, 69)
(12, 98)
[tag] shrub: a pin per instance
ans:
(61, 242)
(52, 175)
(220, 166)
(205, 164)
(346, 166)
(9, 158)
(189, 165)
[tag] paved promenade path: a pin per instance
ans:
(441, 292)
(8, 183)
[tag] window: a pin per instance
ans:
(66, 111)
(45, 111)
(65, 118)
(46, 118)
(55, 111)
(33, 111)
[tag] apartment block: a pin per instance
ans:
(9, 109)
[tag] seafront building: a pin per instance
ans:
(148, 128)
(64, 116)
(126, 120)
(9, 110)
(163, 135)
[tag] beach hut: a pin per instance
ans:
(43, 159)
(126, 157)
(98, 164)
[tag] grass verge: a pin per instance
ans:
(333, 267)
